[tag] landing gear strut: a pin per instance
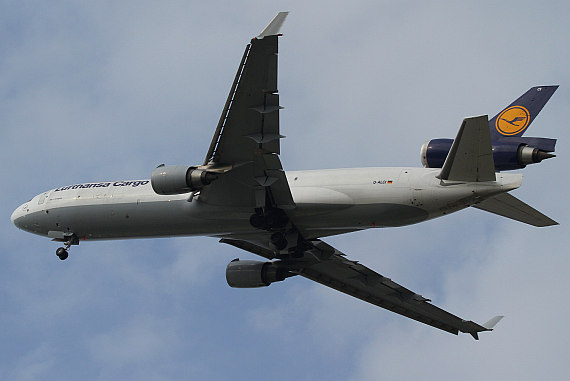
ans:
(283, 234)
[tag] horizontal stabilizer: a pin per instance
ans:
(470, 158)
(509, 206)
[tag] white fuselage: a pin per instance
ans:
(327, 202)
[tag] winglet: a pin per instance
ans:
(274, 26)
(492, 322)
(488, 326)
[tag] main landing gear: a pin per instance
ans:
(270, 219)
(62, 252)
(284, 237)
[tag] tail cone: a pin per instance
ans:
(541, 155)
(531, 155)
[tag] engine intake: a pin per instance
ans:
(178, 179)
(251, 274)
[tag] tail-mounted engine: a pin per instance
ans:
(179, 179)
(506, 155)
(250, 274)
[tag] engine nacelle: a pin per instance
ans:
(251, 274)
(434, 152)
(178, 179)
(506, 155)
(528, 155)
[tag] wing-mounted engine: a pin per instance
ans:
(179, 179)
(516, 153)
(251, 274)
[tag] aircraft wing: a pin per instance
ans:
(326, 265)
(246, 142)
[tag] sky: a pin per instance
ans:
(95, 91)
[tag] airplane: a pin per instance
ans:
(241, 194)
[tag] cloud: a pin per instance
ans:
(35, 364)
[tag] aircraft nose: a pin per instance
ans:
(17, 215)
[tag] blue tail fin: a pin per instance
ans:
(510, 149)
(514, 120)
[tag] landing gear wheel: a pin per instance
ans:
(279, 241)
(62, 253)
(272, 219)
(276, 219)
(257, 221)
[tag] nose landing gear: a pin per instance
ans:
(62, 252)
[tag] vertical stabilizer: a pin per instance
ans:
(515, 119)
